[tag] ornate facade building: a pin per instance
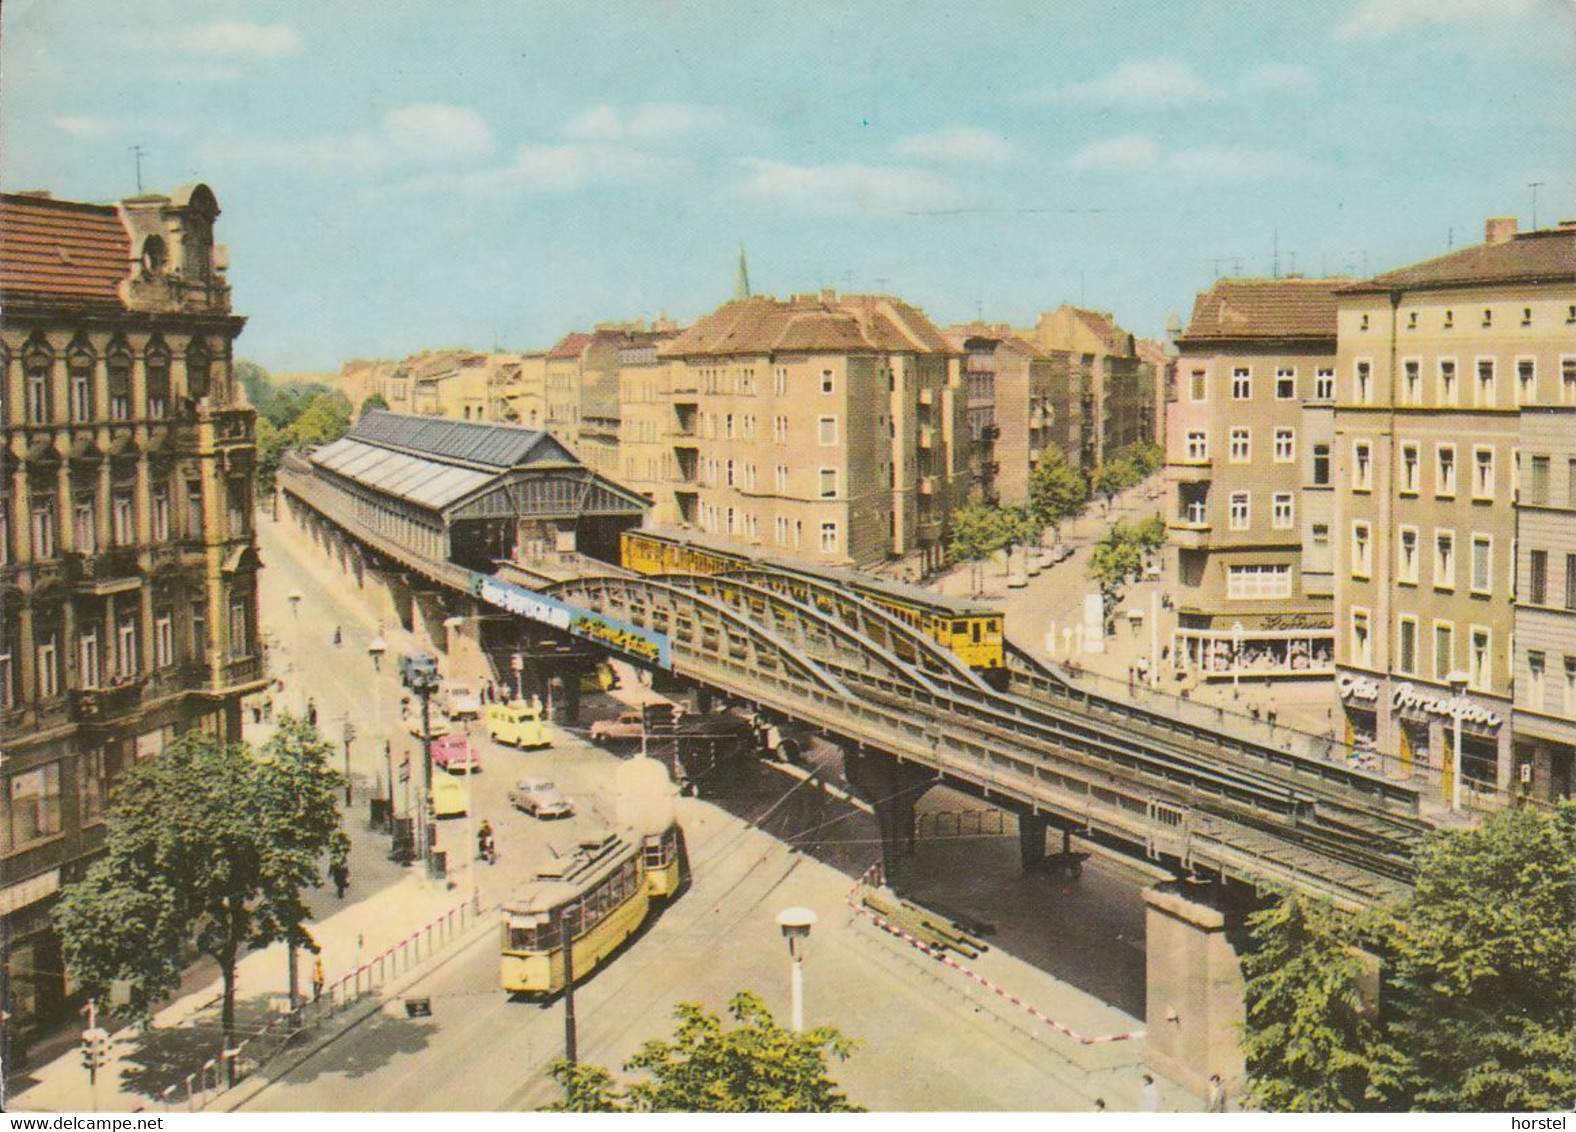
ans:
(127, 561)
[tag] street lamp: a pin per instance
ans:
(376, 650)
(424, 683)
(294, 597)
(1458, 681)
(796, 924)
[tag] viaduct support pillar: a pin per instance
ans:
(1031, 840)
(1194, 996)
(891, 787)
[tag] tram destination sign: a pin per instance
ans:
(644, 645)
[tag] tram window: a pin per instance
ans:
(960, 627)
(523, 939)
(975, 630)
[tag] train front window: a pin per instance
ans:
(521, 935)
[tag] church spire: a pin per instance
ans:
(741, 283)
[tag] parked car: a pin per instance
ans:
(460, 701)
(540, 798)
(448, 797)
(454, 753)
(411, 663)
(518, 724)
(628, 725)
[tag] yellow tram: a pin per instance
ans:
(598, 896)
(970, 630)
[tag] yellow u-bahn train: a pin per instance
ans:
(969, 629)
(597, 897)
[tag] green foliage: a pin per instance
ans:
(1146, 456)
(373, 401)
(209, 846)
(271, 445)
(1115, 476)
(1150, 533)
(1308, 1038)
(1057, 490)
(975, 531)
(1479, 1002)
(1119, 558)
(754, 1066)
(325, 419)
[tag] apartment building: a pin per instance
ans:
(1117, 387)
(1438, 364)
(1249, 480)
(127, 558)
(1545, 620)
(645, 442)
(1019, 400)
(825, 426)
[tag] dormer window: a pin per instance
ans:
(155, 255)
(1450, 319)
(1488, 317)
(1364, 324)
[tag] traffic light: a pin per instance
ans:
(95, 1048)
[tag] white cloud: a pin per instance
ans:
(964, 144)
(83, 125)
(234, 37)
(1376, 19)
(435, 130)
(846, 187)
(1278, 78)
(649, 121)
(569, 167)
(1239, 163)
(1127, 153)
(1148, 82)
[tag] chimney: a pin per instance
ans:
(1499, 230)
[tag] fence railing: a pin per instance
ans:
(291, 1027)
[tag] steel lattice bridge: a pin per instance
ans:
(910, 715)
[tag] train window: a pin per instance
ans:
(523, 939)
(975, 630)
(960, 627)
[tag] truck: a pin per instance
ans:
(411, 663)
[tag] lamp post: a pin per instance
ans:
(376, 650)
(424, 683)
(1458, 681)
(796, 924)
(349, 735)
(517, 663)
(294, 598)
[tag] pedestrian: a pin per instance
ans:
(317, 977)
(311, 711)
(1148, 1095)
(1099, 1104)
(268, 707)
(340, 871)
(339, 637)
(1216, 1101)
(257, 711)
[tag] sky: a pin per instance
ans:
(399, 175)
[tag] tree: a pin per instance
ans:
(325, 419)
(271, 445)
(1485, 967)
(1308, 1039)
(1114, 477)
(1057, 490)
(209, 845)
(975, 531)
(1116, 559)
(754, 1066)
(1146, 456)
(255, 380)
(373, 401)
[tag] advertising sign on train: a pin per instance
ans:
(643, 645)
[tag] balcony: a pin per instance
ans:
(1185, 470)
(928, 485)
(105, 572)
(104, 705)
(927, 437)
(1188, 535)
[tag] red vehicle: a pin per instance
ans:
(453, 752)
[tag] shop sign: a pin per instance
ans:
(1406, 696)
(1356, 688)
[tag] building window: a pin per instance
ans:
(48, 658)
(163, 639)
(161, 514)
(1258, 582)
(34, 806)
(1282, 512)
(1324, 384)
(1482, 473)
(1480, 664)
(1241, 445)
(1285, 445)
(85, 527)
(1198, 385)
(89, 670)
(1362, 549)
(728, 473)
(1406, 646)
(1445, 470)
(1412, 381)
(1570, 581)
(1526, 381)
(1568, 381)
(1450, 319)
(1362, 639)
(1444, 560)
(782, 480)
(1285, 384)
(1411, 320)
(1241, 384)
(1537, 665)
(240, 638)
(1444, 650)
(122, 525)
(1482, 564)
(199, 366)
(1197, 447)
(826, 381)
(1363, 323)
(1538, 489)
(127, 662)
(731, 517)
(1406, 556)
(117, 366)
(38, 389)
(1362, 466)
(1486, 392)
(727, 427)
(780, 381)
(81, 377)
(7, 676)
(780, 429)
(1537, 577)
(1488, 317)
(1448, 390)
(1239, 510)
(194, 515)
(1409, 469)
(1365, 382)
(1568, 699)
(156, 370)
(43, 528)
(1321, 535)
(826, 430)
(1321, 465)
(828, 483)
(829, 538)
